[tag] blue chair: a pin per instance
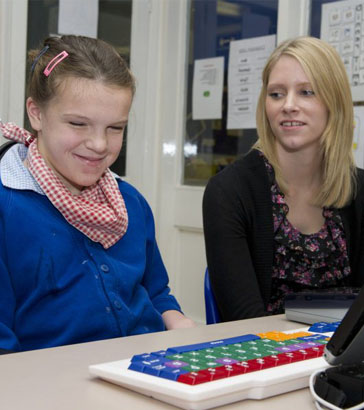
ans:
(212, 313)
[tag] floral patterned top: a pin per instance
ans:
(317, 260)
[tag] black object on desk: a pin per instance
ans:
(346, 344)
(343, 385)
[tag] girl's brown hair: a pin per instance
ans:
(87, 58)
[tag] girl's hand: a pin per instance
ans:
(176, 320)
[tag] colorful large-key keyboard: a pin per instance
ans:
(206, 375)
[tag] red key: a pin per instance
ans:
(309, 353)
(300, 354)
(318, 350)
(321, 349)
(276, 359)
(292, 357)
(238, 368)
(193, 378)
(270, 361)
(253, 365)
(215, 373)
(283, 358)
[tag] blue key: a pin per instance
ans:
(320, 327)
(215, 343)
(159, 353)
(143, 356)
(154, 370)
(312, 337)
(331, 328)
(137, 366)
(324, 327)
(145, 366)
(335, 325)
(171, 373)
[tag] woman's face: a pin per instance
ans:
(80, 130)
(296, 115)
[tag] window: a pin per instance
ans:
(208, 145)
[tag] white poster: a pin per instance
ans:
(246, 62)
(342, 25)
(79, 17)
(208, 81)
(358, 144)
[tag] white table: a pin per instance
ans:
(58, 378)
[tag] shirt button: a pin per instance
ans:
(108, 309)
(104, 268)
(117, 304)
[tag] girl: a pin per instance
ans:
(78, 255)
(289, 215)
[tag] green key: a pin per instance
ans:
(175, 357)
(237, 345)
(211, 356)
(241, 351)
(252, 343)
(211, 364)
(257, 355)
(193, 368)
(321, 341)
(292, 342)
(192, 360)
(243, 358)
(224, 349)
(198, 353)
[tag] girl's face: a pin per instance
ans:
(80, 130)
(296, 115)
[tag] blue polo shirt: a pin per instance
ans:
(58, 286)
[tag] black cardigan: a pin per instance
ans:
(239, 237)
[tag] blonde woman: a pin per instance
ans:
(289, 215)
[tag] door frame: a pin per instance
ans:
(13, 35)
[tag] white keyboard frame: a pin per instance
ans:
(254, 385)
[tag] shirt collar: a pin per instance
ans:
(15, 175)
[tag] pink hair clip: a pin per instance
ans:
(56, 60)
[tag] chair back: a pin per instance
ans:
(5, 146)
(212, 313)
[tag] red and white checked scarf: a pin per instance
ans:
(98, 211)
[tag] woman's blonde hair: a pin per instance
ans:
(326, 72)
